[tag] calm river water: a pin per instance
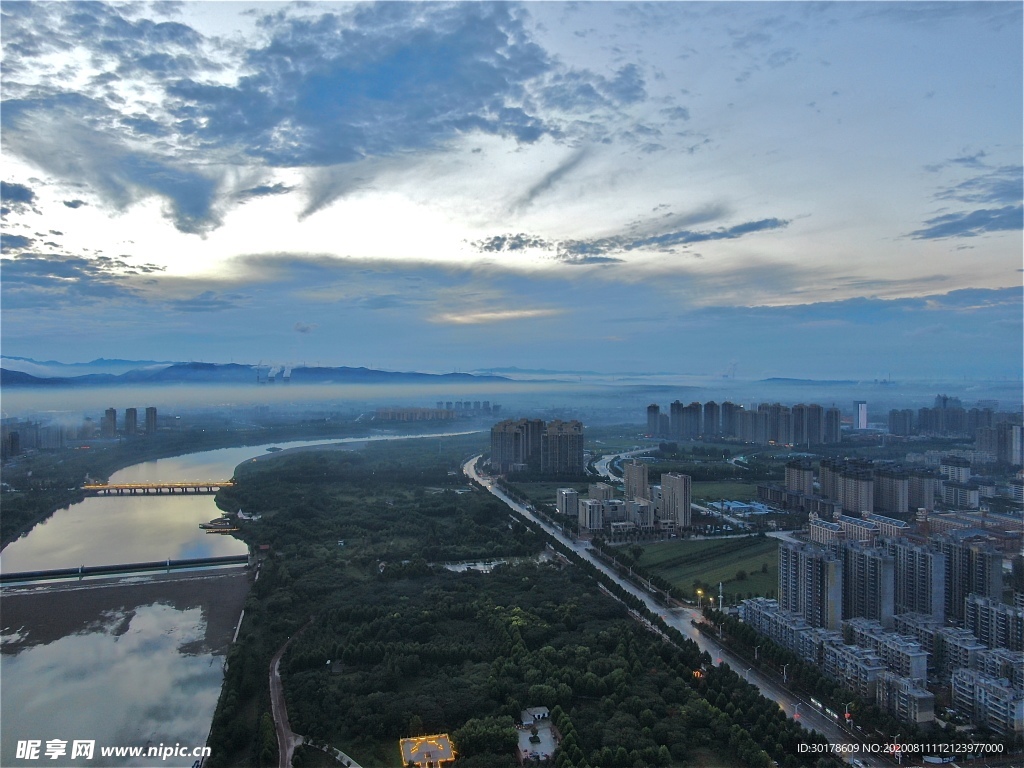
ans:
(138, 665)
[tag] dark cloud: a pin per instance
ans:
(304, 327)
(207, 301)
(551, 178)
(75, 203)
(503, 243)
(1000, 185)
(53, 280)
(12, 243)
(264, 190)
(382, 79)
(653, 233)
(16, 197)
(972, 223)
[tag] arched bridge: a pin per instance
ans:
(132, 489)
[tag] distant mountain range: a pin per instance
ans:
(148, 372)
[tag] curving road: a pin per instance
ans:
(680, 618)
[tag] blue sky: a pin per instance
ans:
(817, 190)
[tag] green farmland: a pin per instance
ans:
(717, 560)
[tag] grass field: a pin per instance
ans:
(728, 491)
(716, 560)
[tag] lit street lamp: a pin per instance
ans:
(700, 595)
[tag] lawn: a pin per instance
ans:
(717, 560)
(724, 490)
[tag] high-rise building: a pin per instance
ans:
(730, 419)
(567, 501)
(860, 414)
(868, 582)
(653, 420)
(712, 419)
(151, 421)
(892, 490)
(691, 424)
(800, 476)
(108, 427)
(921, 489)
(811, 583)
(901, 422)
(675, 505)
(675, 411)
(973, 565)
(562, 448)
(636, 483)
(591, 514)
(131, 422)
(920, 578)
(516, 445)
(833, 425)
(808, 424)
(995, 623)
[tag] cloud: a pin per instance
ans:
(305, 328)
(551, 178)
(12, 243)
(510, 243)
(972, 223)
(75, 203)
(1000, 185)
(494, 316)
(16, 197)
(264, 190)
(53, 280)
(207, 301)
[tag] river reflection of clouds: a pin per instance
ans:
(145, 682)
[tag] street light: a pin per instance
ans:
(784, 672)
(757, 649)
(700, 594)
(746, 675)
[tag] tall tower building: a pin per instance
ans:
(920, 578)
(800, 476)
(653, 420)
(868, 582)
(151, 421)
(972, 566)
(635, 475)
(833, 425)
(811, 583)
(860, 414)
(730, 419)
(108, 426)
(692, 427)
(131, 422)
(675, 496)
(892, 491)
(561, 449)
(675, 411)
(516, 445)
(712, 419)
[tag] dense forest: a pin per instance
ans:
(392, 644)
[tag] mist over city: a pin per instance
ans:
(489, 385)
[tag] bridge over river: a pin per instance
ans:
(131, 489)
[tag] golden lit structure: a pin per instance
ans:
(427, 751)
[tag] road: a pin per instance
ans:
(681, 618)
(601, 465)
(286, 740)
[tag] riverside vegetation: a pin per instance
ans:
(395, 645)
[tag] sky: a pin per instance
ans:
(807, 190)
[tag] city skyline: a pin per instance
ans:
(805, 190)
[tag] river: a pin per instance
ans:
(128, 661)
